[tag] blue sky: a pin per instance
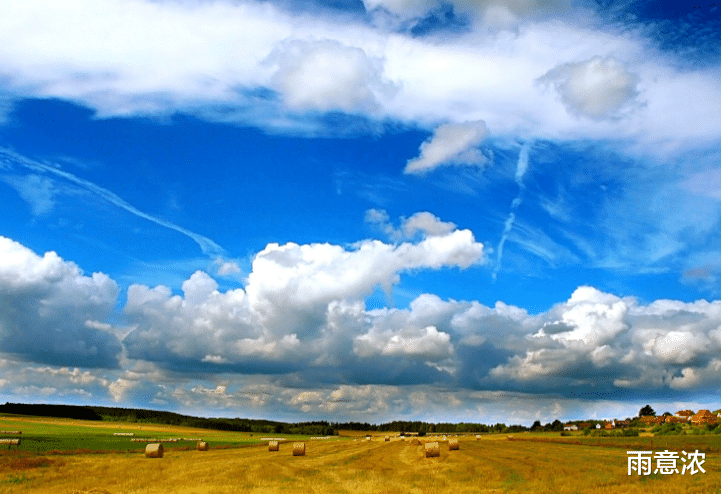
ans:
(492, 211)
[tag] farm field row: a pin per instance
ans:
(491, 464)
(41, 435)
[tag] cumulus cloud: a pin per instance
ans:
(302, 305)
(427, 342)
(301, 316)
(327, 75)
(597, 88)
(600, 340)
(451, 144)
(308, 277)
(47, 306)
(202, 327)
(227, 268)
(425, 223)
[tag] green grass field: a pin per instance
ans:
(43, 435)
(239, 463)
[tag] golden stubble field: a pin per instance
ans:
(492, 464)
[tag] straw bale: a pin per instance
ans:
(298, 449)
(154, 450)
(202, 446)
(415, 441)
(388, 438)
(478, 437)
(432, 450)
(452, 444)
(273, 446)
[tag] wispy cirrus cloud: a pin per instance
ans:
(40, 200)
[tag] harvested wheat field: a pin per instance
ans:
(352, 467)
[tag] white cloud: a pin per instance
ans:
(204, 325)
(594, 317)
(636, 346)
(706, 183)
(301, 304)
(130, 57)
(36, 190)
(327, 75)
(596, 88)
(422, 222)
(451, 144)
(428, 224)
(46, 305)
(309, 277)
(302, 313)
(689, 378)
(227, 268)
(428, 343)
(676, 346)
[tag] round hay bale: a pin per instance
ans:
(202, 446)
(298, 449)
(154, 450)
(388, 438)
(415, 441)
(273, 446)
(452, 444)
(432, 450)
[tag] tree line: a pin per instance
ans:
(423, 428)
(134, 415)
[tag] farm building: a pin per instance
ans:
(703, 417)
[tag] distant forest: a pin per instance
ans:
(318, 428)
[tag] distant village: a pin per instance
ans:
(681, 417)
